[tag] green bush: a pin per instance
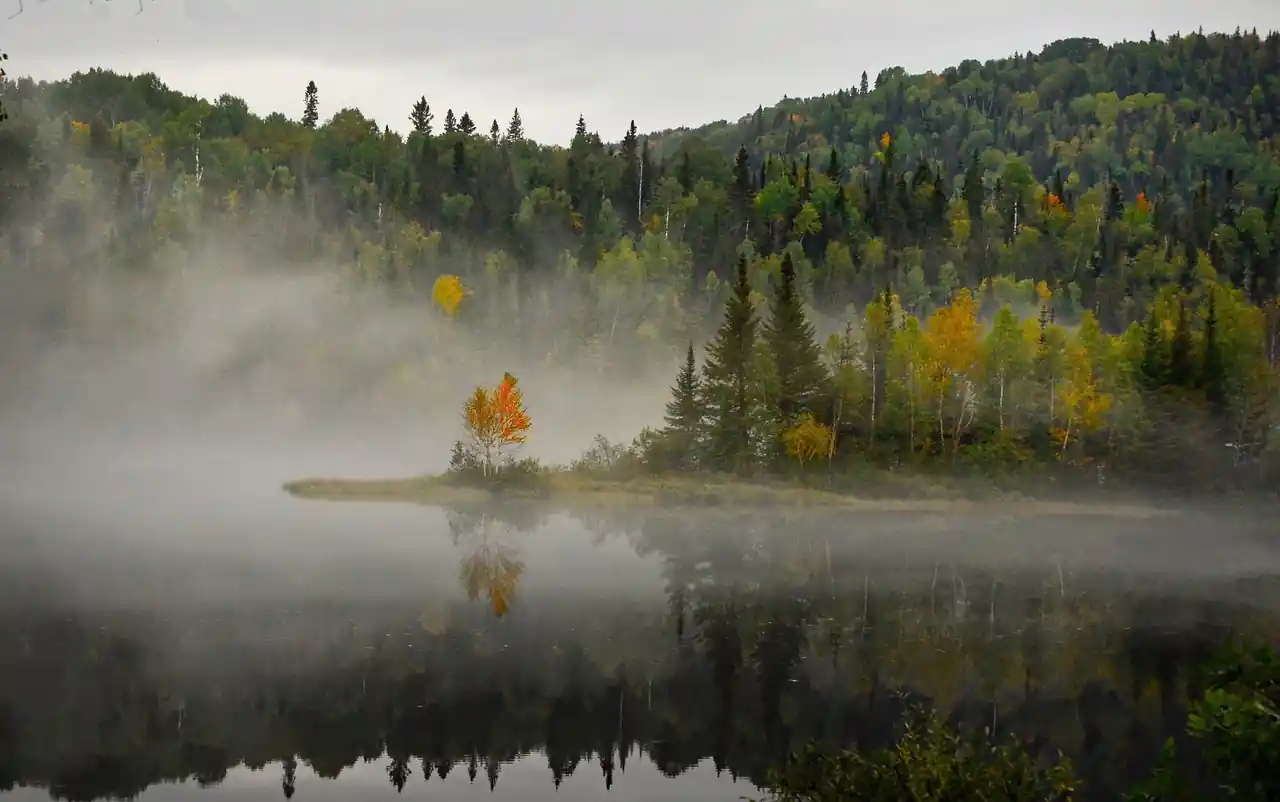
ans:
(929, 763)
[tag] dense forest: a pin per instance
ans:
(1069, 256)
(756, 645)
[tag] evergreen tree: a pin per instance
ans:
(4, 115)
(684, 415)
(1153, 351)
(1181, 371)
(495, 133)
(311, 107)
(450, 122)
(726, 374)
(515, 129)
(629, 191)
(421, 116)
(864, 86)
(1213, 371)
(466, 125)
(790, 338)
(833, 167)
(580, 130)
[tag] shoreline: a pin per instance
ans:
(586, 491)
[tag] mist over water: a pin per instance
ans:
(168, 613)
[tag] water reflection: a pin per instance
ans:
(770, 630)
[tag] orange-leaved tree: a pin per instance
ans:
(496, 420)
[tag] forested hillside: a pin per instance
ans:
(1135, 185)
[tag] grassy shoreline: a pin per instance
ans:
(584, 490)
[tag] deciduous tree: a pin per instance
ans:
(496, 420)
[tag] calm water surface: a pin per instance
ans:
(327, 651)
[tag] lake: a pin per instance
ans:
(348, 651)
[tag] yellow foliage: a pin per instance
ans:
(807, 439)
(448, 293)
(1084, 405)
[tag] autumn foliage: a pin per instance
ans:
(496, 420)
(807, 439)
(448, 293)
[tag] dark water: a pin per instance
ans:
(353, 651)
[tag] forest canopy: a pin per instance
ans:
(1072, 238)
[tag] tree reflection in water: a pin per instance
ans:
(773, 632)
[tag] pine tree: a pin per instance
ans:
(790, 338)
(580, 131)
(1212, 371)
(684, 415)
(421, 116)
(833, 167)
(515, 129)
(495, 133)
(1153, 352)
(629, 193)
(450, 122)
(1181, 371)
(466, 125)
(726, 374)
(311, 109)
(864, 87)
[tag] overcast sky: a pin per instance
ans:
(664, 63)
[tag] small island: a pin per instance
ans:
(611, 475)
(772, 418)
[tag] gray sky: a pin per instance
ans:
(662, 62)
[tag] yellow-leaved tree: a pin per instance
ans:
(448, 293)
(496, 420)
(1083, 404)
(952, 349)
(807, 439)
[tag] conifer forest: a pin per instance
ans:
(1067, 259)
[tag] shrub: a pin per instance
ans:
(930, 763)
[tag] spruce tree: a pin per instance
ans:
(1153, 362)
(629, 192)
(790, 338)
(421, 116)
(580, 130)
(4, 115)
(726, 376)
(1181, 371)
(1212, 371)
(515, 129)
(495, 133)
(833, 167)
(466, 125)
(450, 122)
(684, 415)
(311, 107)
(864, 86)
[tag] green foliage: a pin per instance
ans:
(684, 415)
(929, 763)
(1125, 180)
(727, 374)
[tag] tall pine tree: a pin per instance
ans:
(515, 129)
(311, 106)
(790, 338)
(726, 376)
(450, 122)
(684, 416)
(466, 125)
(1213, 375)
(420, 117)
